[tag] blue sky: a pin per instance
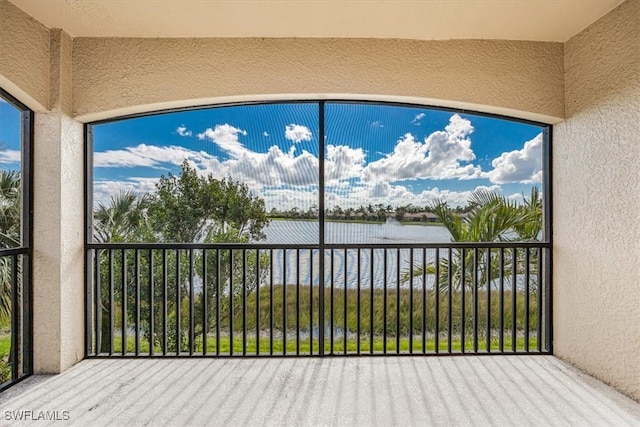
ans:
(10, 128)
(375, 153)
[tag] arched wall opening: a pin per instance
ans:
(332, 198)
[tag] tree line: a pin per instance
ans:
(370, 213)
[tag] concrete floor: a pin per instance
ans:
(441, 391)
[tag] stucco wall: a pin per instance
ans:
(60, 87)
(115, 75)
(597, 202)
(58, 235)
(24, 57)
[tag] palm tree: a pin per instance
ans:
(123, 219)
(10, 222)
(491, 218)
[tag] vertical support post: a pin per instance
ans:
(321, 237)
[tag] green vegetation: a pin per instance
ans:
(428, 224)
(10, 223)
(5, 350)
(184, 208)
(10, 231)
(195, 208)
(491, 218)
(305, 313)
(338, 348)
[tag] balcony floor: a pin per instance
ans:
(473, 390)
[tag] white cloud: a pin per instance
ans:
(265, 134)
(274, 167)
(104, 189)
(439, 157)
(417, 118)
(297, 133)
(287, 198)
(183, 131)
(10, 156)
(226, 137)
(397, 195)
(153, 156)
(377, 124)
(343, 162)
(524, 166)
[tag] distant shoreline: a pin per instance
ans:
(358, 221)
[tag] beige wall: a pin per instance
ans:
(36, 68)
(58, 240)
(24, 57)
(596, 202)
(115, 76)
(596, 151)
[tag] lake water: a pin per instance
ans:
(391, 231)
(342, 265)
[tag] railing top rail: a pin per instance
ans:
(426, 245)
(14, 251)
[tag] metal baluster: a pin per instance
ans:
(527, 271)
(124, 302)
(359, 283)
(331, 308)
(463, 285)
(111, 302)
(258, 322)
(271, 302)
(15, 318)
(205, 296)
(284, 301)
(191, 307)
(397, 300)
(297, 302)
(231, 342)
(310, 301)
(501, 338)
(164, 301)
(514, 292)
(151, 306)
(475, 300)
(218, 280)
(437, 302)
(384, 305)
(488, 300)
(244, 302)
(98, 309)
(178, 304)
(424, 300)
(371, 319)
(450, 305)
(539, 300)
(411, 300)
(136, 269)
(344, 332)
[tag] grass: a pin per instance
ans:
(282, 302)
(5, 349)
(249, 347)
(432, 224)
(5, 344)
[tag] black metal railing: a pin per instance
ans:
(15, 316)
(293, 300)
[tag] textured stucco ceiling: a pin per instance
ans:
(542, 20)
